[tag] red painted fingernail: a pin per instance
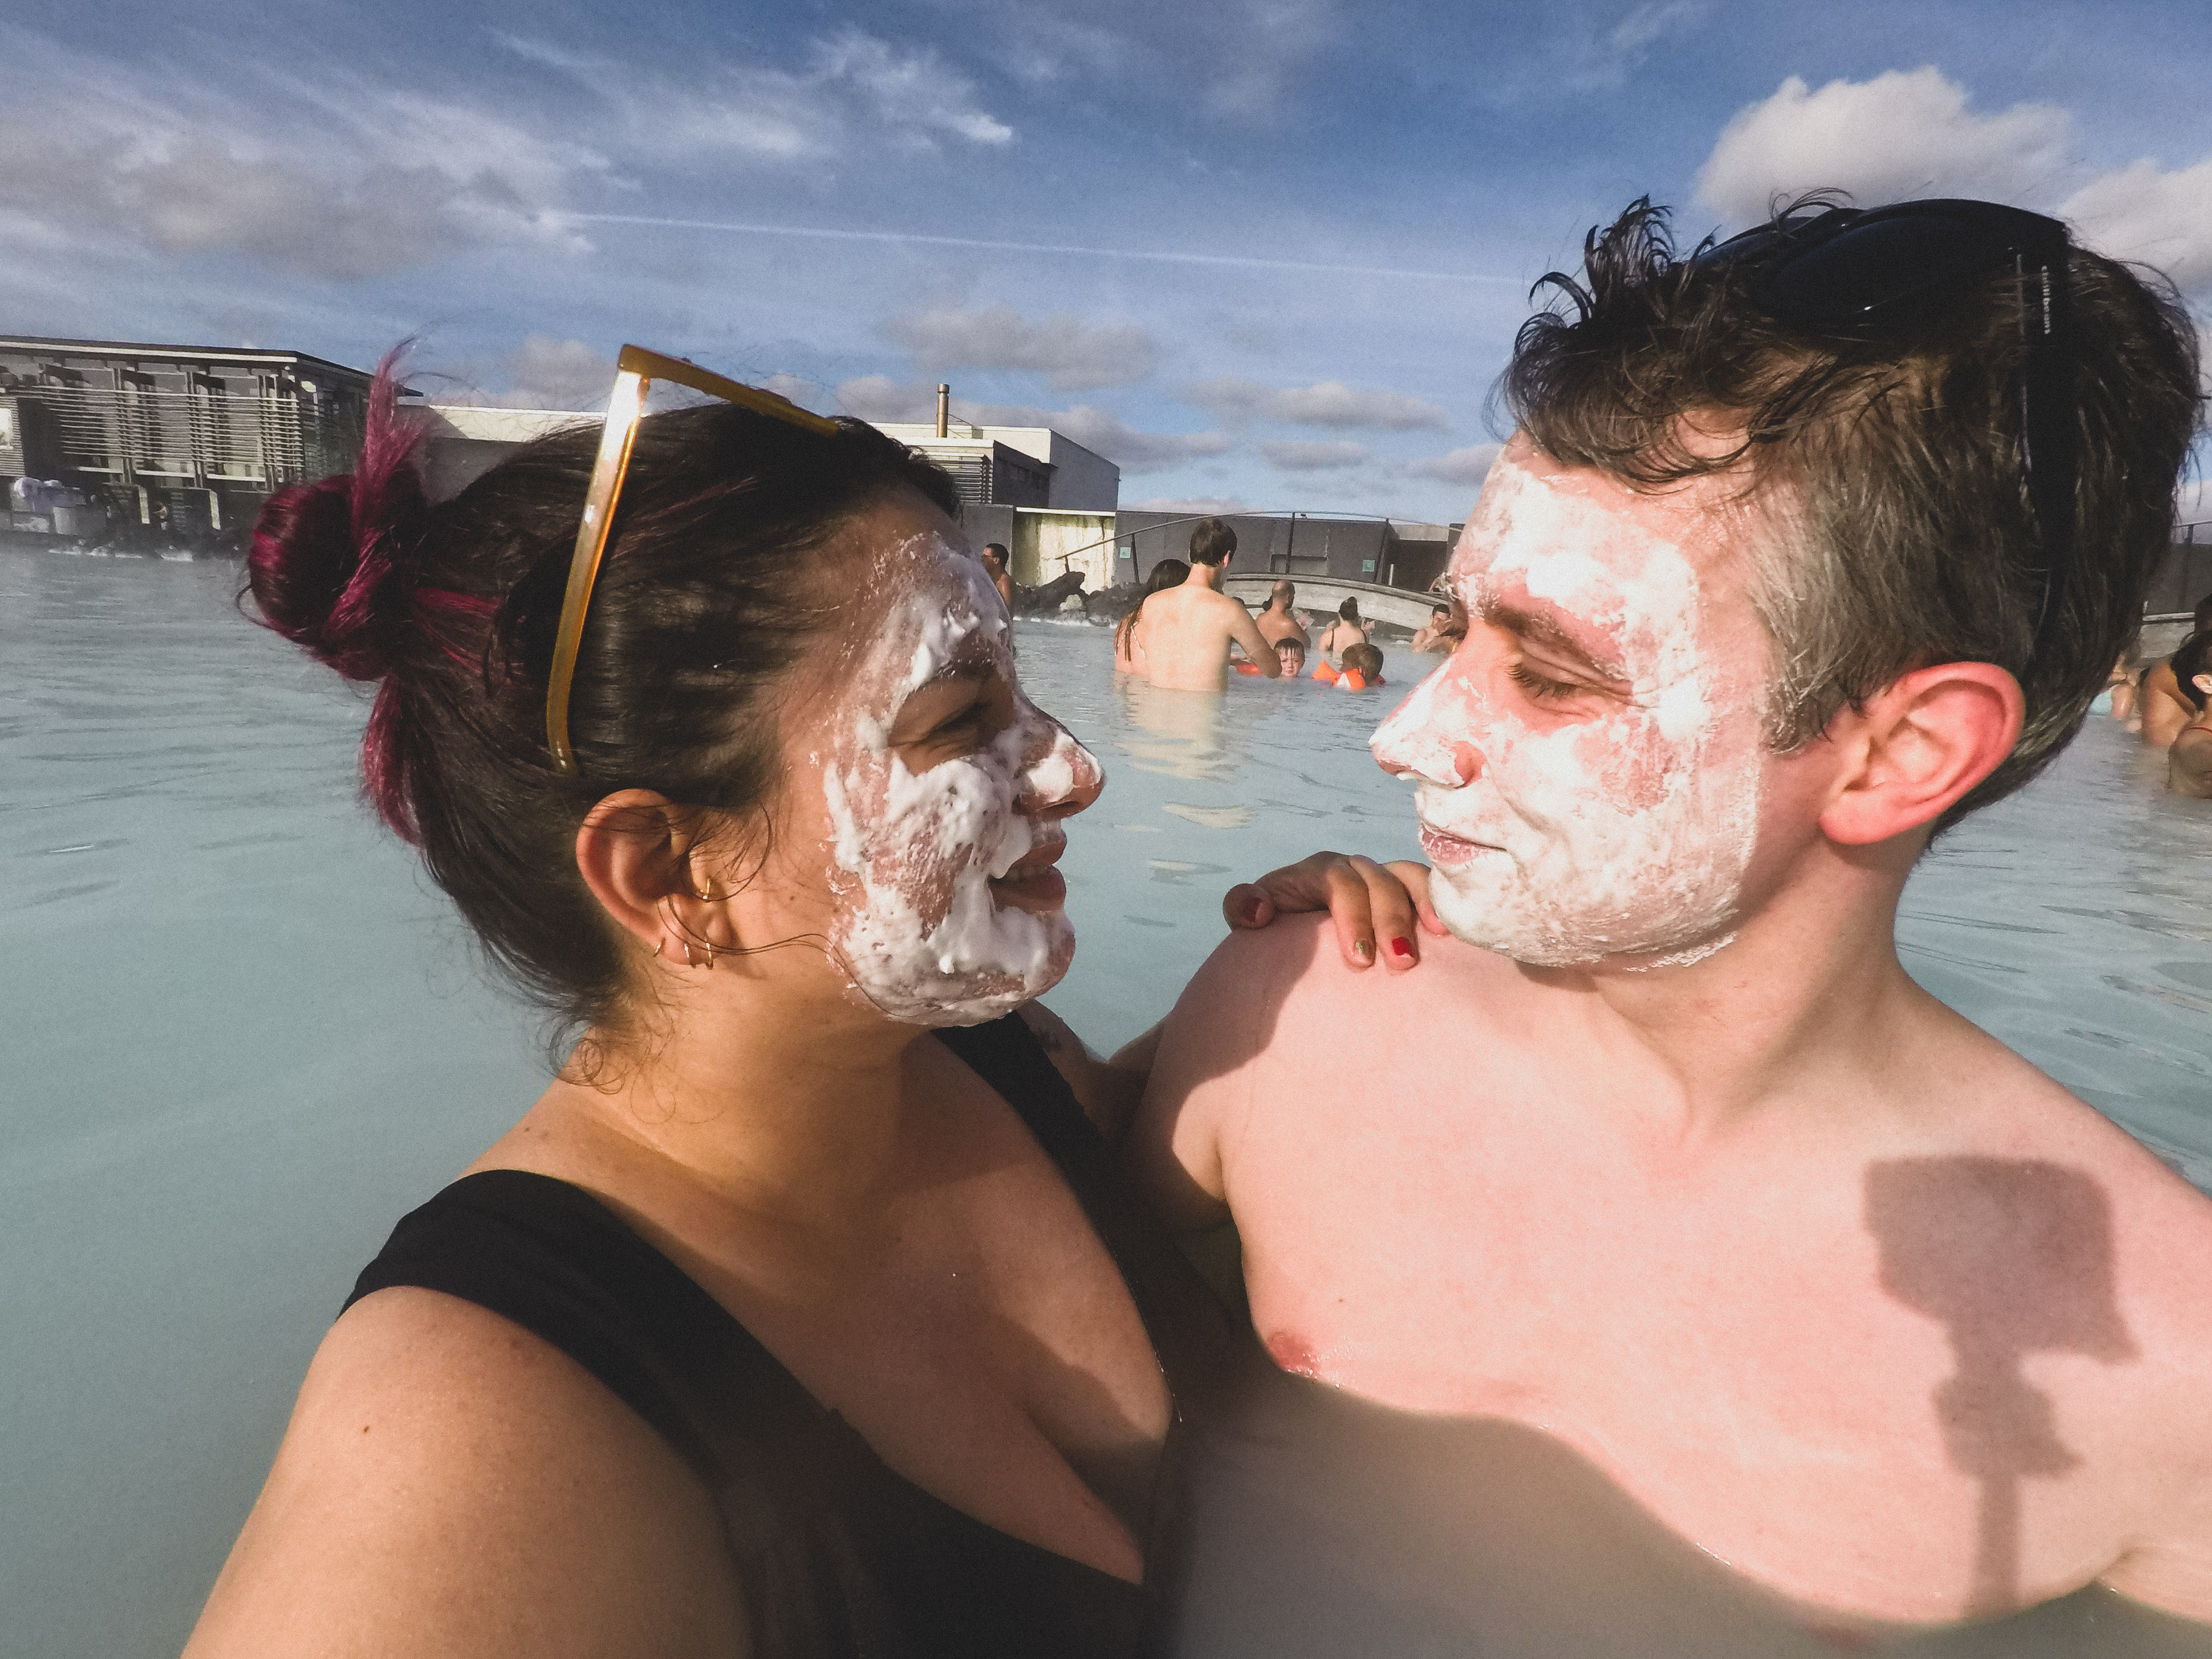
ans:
(1404, 947)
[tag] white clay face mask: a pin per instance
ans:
(914, 855)
(1598, 827)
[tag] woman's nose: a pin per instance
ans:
(1063, 780)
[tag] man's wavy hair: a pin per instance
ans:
(1905, 535)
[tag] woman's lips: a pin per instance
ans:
(1032, 884)
(1451, 851)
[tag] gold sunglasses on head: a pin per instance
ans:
(636, 369)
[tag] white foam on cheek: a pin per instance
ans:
(1587, 871)
(922, 936)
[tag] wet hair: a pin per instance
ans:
(1349, 610)
(1211, 542)
(998, 551)
(1440, 610)
(1363, 659)
(1168, 573)
(705, 600)
(2194, 657)
(2202, 617)
(1904, 534)
(1291, 643)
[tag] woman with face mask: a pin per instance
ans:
(803, 1313)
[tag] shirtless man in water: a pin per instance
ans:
(1278, 622)
(1662, 1152)
(1182, 638)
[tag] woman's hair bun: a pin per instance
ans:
(332, 566)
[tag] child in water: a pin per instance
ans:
(1363, 667)
(1291, 652)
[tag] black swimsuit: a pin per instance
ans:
(836, 1555)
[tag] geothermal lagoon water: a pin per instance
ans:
(243, 1034)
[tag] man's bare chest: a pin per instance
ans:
(1874, 1390)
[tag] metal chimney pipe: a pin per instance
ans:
(944, 410)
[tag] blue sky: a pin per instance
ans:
(1264, 251)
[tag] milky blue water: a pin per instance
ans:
(242, 1034)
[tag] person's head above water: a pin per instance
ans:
(1363, 659)
(1283, 596)
(1212, 542)
(1349, 610)
(993, 556)
(2192, 668)
(1291, 652)
(1717, 536)
(794, 715)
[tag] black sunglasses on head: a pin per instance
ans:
(1849, 271)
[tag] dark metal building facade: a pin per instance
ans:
(185, 441)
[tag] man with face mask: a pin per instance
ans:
(1807, 546)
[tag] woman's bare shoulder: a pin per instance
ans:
(449, 1483)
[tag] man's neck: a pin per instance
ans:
(1808, 992)
(1205, 576)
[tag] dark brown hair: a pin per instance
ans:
(2194, 657)
(1211, 542)
(1168, 573)
(1903, 535)
(708, 592)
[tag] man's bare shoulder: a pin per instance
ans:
(450, 1483)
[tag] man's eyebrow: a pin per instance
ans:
(1535, 625)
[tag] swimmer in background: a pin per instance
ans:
(1179, 639)
(995, 566)
(2124, 689)
(1348, 628)
(1168, 573)
(1441, 632)
(1278, 622)
(2189, 758)
(1363, 668)
(2159, 700)
(1290, 654)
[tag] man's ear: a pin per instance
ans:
(1917, 746)
(633, 852)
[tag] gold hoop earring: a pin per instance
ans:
(705, 950)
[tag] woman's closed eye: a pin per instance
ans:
(950, 717)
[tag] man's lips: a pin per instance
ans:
(1032, 884)
(1451, 850)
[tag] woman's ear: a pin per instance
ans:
(632, 851)
(1918, 745)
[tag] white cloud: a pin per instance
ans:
(913, 92)
(1070, 355)
(880, 397)
(770, 114)
(1327, 403)
(1902, 135)
(1605, 61)
(1310, 457)
(1099, 429)
(2162, 219)
(325, 174)
(1470, 465)
(1222, 505)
